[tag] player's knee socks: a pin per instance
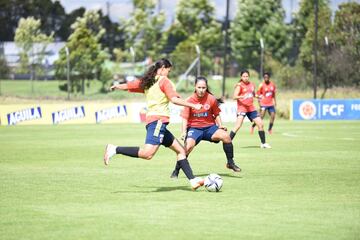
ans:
(185, 166)
(270, 126)
(262, 136)
(177, 166)
(253, 125)
(232, 135)
(229, 152)
(128, 151)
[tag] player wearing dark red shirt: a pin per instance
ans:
(244, 94)
(205, 124)
(267, 100)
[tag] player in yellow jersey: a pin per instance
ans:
(159, 92)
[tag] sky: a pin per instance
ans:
(122, 8)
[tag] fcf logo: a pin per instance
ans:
(307, 110)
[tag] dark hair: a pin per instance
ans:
(149, 78)
(266, 73)
(244, 71)
(201, 78)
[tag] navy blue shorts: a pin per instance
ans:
(157, 134)
(270, 109)
(204, 133)
(251, 115)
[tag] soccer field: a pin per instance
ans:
(54, 185)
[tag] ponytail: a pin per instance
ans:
(149, 78)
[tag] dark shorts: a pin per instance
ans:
(251, 115)
(204, 133)
(157, 134)
(270, 109)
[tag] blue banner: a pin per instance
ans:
(329, 109)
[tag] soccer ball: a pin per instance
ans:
(213, 182)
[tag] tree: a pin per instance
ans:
(50, 13)
(195, 24)
(344, 41)
(32, 43)
(306, 56)
(86, 54)
(256, 19)
(143, 30)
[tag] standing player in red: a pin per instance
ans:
(267, 100)
(159, 91)
(205, 124)
(244, 94)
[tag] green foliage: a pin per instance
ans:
(255, 20)
(50, 13)
(345, 46)
(144, 30)
(86, 54)
(195, 24)
(105, 76)
(32, 42)
(4, 68)
(324, 25)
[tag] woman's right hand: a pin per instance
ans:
(197, 106)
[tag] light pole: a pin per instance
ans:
(198, 57)
(68, 72)
(132, 52)
(316, 12)
(226, 25)
(261, 58)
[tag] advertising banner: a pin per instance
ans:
(90, 113)
(328, 109)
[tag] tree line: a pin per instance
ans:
(288, 47)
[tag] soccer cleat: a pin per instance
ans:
(270, 131)
(175, 174)
(265, 145)
(196, 183)
(110, 150)
(233, 167)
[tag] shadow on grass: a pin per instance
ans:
(156, 189)
(232, 175)
(250, 147)
(174, 188)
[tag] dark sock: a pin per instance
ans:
(229, 152)
(262, 136)
(232, 135)
(128, 151)
(185, 166)
(254, 124)
(270, 126)
(177, 166)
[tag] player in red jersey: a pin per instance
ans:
(244, 93)
(205, 124)
(267, 100)
(159, 92)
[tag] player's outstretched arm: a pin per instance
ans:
(182, 102)
(122, 86)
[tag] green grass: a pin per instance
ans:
(54, 185)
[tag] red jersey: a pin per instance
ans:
(266, 93)
(204, 117)
(246, 90)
